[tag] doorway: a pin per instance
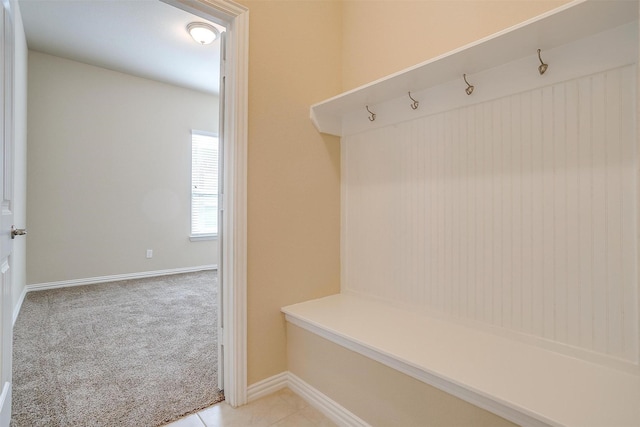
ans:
(233, 260)
(234, 213)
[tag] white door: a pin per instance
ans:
(6, 221)
(221, 200)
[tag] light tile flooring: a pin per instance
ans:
(283, 408)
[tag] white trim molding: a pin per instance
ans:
(234, 227)
(267, 386)
(329, 407)
(112, 278)
(320, 401)
(233, 280)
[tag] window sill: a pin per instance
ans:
(201, 237)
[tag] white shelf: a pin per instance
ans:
(526, 384)
(571, 22)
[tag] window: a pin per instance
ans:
(204, 185)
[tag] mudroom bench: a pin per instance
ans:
(524, 383)
(489, 181)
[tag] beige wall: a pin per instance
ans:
(109, 172)
(381, 396)
(382, 37)
(294, 172)
(20, 157)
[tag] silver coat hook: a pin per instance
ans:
(543, 67)
(469, 88)
(415, 104)
(372, 115)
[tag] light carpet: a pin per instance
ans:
(130, 353)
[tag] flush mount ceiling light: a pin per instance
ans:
(203, 33)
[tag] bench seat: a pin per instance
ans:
(521, 382)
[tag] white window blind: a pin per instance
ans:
(204, 184)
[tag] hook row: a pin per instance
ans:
(414, 106)
(542, 68)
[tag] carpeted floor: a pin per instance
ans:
(131, 353)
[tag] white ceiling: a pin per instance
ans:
(146, 38)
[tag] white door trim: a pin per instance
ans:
(235, 18)
(235, 226)
(234, 246)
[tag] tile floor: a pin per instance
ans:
(283, 408)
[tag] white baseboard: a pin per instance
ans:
(117, 277)
(16, 309)
(5, 405)
(323, 403)
(267, 386)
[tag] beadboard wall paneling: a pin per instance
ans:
(518, 212)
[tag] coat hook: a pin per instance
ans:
(415, 104)
(469, 88)
(372, 116)
(543, 67)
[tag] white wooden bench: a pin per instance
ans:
(523, 383)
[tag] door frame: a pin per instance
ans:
(233, 280)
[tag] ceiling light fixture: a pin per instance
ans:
(203, 33)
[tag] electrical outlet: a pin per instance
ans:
(149, 253)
